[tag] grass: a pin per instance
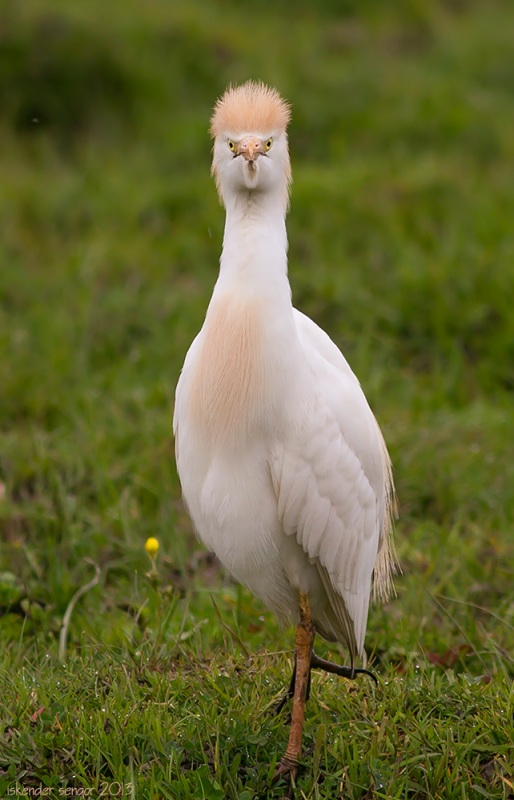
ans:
(401, 247)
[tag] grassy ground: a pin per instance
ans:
(402, 247)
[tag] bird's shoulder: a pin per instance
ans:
(316, 340)
(340, 411)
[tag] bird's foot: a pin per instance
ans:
(336, 669)
(287, 769)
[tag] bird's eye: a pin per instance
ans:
(231, 145)
(268, 144)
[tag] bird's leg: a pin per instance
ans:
(350, 673)
(337, 669)
(289, 692)
(304, 639)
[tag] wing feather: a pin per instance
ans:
(331, 479)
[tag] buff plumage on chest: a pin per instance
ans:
(228, 377)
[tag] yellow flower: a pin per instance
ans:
(152, 547)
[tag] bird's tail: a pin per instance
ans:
(387, 564)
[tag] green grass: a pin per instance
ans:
(401, 247)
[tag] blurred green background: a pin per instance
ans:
(401, 247)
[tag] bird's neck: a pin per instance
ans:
(254, 255)
(248, 333)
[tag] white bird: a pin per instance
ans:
(282, 464)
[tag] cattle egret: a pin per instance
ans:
(282, 464)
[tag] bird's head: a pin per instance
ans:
(250, 155)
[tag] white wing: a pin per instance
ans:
(331, 483)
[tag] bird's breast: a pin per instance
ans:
(231, 383)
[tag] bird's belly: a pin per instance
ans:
(234, 508)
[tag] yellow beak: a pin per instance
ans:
(250, 148)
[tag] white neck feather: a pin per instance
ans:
(254, 256)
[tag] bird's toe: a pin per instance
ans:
(287, 770)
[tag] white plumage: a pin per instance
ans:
(282, 464)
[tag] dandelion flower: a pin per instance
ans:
(152, 547)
